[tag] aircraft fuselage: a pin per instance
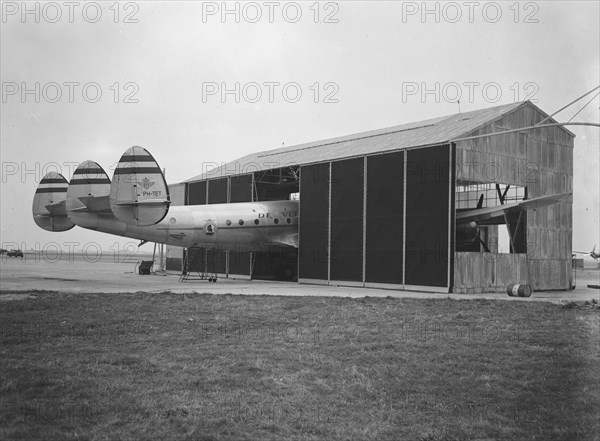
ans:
(226, 226)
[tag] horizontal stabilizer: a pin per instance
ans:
(57, 209)
(139, 194)
(100, 204)
(49, 206)
(147, 203)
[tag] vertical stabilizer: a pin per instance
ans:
(49, 203)
(89, 189)
(138, 194)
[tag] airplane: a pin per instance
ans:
(593, 254)
(136, 204)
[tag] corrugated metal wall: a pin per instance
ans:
(541, 160)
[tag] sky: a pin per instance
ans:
(203, 83)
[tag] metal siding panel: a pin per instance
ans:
(385, 218)
(217, 191)
(240, 188)
(313, 222)
(427, 208)
(196, 193)
(347, 220)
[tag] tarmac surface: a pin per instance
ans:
(32, 273)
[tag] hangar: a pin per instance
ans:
(378, 208)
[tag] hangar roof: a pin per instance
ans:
(434, 131)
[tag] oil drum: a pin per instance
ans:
(519, 290)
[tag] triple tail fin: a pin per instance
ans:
(49, 203)
(138, 193)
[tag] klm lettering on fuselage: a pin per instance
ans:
(283, 214)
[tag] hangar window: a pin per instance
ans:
(468, 196)
(478, 229)
(276, 184)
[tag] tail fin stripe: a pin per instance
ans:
(51, 190)
(132, 170)
(52, 181)
(88, 171)
(90, 181)
(137, 158)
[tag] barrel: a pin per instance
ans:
(519, 290)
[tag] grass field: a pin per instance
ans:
(204, 367)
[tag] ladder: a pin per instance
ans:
(206, 273)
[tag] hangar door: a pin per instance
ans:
(196, 193)
(347, 201)
(217, 191)
(402, 238)
(385, 219)
(313, 249)
(240, 190)
(429, 192)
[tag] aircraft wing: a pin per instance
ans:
(495, 215)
